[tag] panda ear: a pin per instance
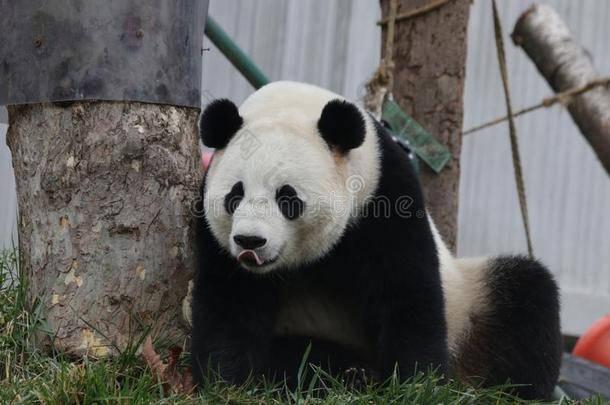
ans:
(219, 122)
(342, 125)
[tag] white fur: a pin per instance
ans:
(279, 144)
(463, 289)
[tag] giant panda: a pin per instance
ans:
(312, 235)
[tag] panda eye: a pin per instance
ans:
(291, 206)
(234, 197)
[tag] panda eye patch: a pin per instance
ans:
(234, 197)
(291, 206)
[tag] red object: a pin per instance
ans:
(206, 158)
(594, 344)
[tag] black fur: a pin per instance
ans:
(289, 202)
(397, 296)
(234, 197)
(219, 122)
(341, 125)
(519, 339)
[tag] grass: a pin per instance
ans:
(29, 376)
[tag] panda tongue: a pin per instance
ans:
(249, 255)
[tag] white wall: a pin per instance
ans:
(334, 44)
(567, 189)
(8, 210)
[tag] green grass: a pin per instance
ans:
(29, 376)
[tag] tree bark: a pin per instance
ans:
(429, 59)
(104, 192)
(564, 64)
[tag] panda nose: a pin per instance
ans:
(249, 242)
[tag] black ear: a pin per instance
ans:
(342, 125)
(219, 122)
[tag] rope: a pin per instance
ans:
(564, 97)
(388, 65)
(416, 12)
(514, 144)
(382, 82)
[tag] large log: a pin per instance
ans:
(104, 192)
(565, 64)
(429, 59)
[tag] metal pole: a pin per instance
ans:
(233, 52)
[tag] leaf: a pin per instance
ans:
(169, 374)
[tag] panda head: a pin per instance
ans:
(292, 166)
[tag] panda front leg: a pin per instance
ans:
(408, 327)
(233, 317)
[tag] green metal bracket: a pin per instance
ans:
(425, 146)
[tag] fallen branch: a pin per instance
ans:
(564, 64)
(564, 98)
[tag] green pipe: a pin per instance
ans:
(233, 52)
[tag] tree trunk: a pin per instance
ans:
(564, 64)
(429, 59)
(104, 192)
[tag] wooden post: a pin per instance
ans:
(429, 59)
(104, 192)
(104, 188)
